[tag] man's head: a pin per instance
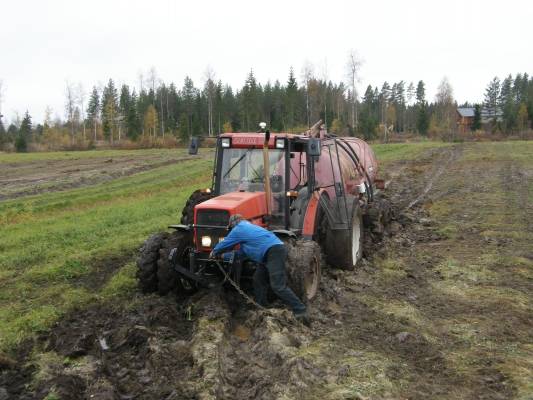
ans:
(234, 220)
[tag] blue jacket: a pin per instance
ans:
(254, 240)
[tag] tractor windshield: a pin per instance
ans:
(242, 169)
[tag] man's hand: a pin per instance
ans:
(212, 255)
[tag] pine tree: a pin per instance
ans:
(188, 94)
(132, 118)
(26, 126)
(124, 105)
(422, 123)
(110, 110)
(507, 103)
(368, 119)
(492, 95)
(476, 123)
(93, 110)
(249, 100)
(420, 92)
(24, 134)
(291, 99)
(384, 98)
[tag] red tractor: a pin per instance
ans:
(311, 189)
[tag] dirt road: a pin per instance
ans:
(442, 309)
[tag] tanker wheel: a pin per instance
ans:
(303, 268)
(197, 197)
(346, 250)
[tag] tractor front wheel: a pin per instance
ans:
(155, 271)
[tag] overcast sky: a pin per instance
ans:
(45, 43)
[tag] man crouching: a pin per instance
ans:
(263, 247)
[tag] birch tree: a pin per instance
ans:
(70, 106)
(353, 67)
(307, 76)
(325, 78)
(81, 96)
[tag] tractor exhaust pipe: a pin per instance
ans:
(266, 172)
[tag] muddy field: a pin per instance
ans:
(439, 309)
(77, 169)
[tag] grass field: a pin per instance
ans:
(51, 242)
(456, 280)
(54, 242)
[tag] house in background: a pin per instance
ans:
(465, 119)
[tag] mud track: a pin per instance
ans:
(213, 345)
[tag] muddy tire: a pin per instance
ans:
(303, 268)
(345, 250)
(155, 271)
(378, 218)
(168, 280)
(147, 262)
(197, 197)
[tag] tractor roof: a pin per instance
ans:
(262, 135)
(255, 139)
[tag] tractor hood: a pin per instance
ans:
(250, 205)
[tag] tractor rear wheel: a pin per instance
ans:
(197, 197)
(303, 268)
(155, 271)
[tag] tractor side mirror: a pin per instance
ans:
(193, 146)
(313, 147)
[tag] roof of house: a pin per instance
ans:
(466, 111)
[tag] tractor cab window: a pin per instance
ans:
(242, 170)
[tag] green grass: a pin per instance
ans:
(519, 150)
(387, 153)
(76, 155)
(51, 242)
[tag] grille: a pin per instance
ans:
(217, 219)
(212, 217)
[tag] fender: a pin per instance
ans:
(308, 229)
(282, 233)
(180, 228)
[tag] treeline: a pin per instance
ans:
(509, 103)
(158, 111)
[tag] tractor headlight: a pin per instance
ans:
(226, 143)
(280, 143)
(206, 241)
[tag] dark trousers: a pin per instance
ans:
(274, 271)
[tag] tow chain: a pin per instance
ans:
(237, 287)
